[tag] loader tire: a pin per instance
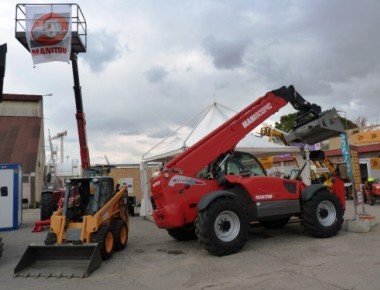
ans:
(186, 233)
(120, 234)
(104, 237)
(222, 228)
(51, 238)
(322, 215)
(48, 205)
(1, 247)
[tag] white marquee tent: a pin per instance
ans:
(195, 129)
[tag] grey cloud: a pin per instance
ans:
(102, 48)
(161, 133)
(156, 74)
(226, 54)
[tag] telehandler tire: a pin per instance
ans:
(104, 237)
(222, 227)
(186, 233)
(120, 234)
(322, 215)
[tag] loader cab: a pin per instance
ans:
(85, 196)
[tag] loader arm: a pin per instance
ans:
(111, 209)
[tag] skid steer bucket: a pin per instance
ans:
(325, 126)
(63, 260)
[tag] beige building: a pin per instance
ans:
(130, 175)
(22, 140)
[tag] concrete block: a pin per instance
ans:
(358, 226)
(370, 218)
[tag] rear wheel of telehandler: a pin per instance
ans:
(120, 234)
(104, 237)
(322, 215)
(186, 233)
(222, 228)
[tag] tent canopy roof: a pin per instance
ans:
(202, 124)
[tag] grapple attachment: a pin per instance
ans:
(63, 260)
(326, 125)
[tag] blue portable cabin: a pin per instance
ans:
(10, 196)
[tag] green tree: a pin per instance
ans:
(286, 122)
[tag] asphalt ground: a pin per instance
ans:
(271, 259)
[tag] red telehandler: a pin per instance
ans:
(213, 193)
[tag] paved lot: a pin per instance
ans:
(271, 259)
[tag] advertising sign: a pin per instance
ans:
(366, 137)
(48, 32)
(346, 153)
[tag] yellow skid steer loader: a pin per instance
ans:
(92, 223)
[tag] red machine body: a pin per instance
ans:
(192, 187)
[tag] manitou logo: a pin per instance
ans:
(50, 29)
(256, 115)
(180, 179)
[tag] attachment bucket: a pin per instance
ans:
(63, 260)
(326, 126)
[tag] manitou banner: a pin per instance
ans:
(48, 32)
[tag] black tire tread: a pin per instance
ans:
(117, 224)
(47, 205)
(99, 237)
(208, 239)
(309, 217)
(51, 238)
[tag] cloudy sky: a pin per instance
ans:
(152, 65)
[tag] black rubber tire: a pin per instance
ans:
(100, 237)
(48, 205)
(275, 224)
(372, 200)
(222, 227)
(322, 215)
(120, 229)
(51, 238)
(365, 197)
(186, 233)
(1, 247)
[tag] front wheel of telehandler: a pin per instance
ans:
(322, 215)
(104, 237)
(222, 228)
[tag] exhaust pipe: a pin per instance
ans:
(63, 260)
